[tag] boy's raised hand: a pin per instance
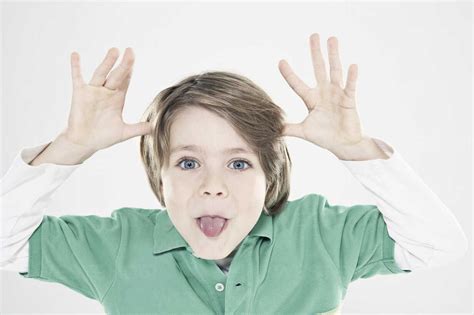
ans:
(95, 120)
(332, 122)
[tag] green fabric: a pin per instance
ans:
(300, 261)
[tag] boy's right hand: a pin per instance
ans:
(95, 120)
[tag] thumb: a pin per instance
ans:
(134, 130)
(293, 130)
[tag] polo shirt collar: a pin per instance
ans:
(166, 237)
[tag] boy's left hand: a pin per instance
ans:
(332, 122)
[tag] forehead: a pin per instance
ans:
(200, 130)
(200, 149)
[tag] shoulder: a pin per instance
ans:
(131, 214)
(317, 208)
(307, 203)
(300, 211)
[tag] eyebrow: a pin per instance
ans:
(195, 148)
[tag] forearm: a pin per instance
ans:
(416, 218)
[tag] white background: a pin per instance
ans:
(413, 91)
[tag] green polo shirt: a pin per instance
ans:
(300, 261)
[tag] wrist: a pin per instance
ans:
(64, 143)
(62, 151)
(365, 150)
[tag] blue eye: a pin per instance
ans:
(189, 162)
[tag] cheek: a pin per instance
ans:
(172, 188)
(174, 182)
(251, 190)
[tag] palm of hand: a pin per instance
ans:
(332, 121)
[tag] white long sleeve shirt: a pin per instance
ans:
(425, 231)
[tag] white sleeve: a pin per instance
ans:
(26, 191)
(425, 231)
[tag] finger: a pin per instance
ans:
(292, 79)
(126, 81)
(120, 73)
(138, 129)
(334, 61)
(100, 74)
(77, 79)
(317, 58)
(351, 81)
(293, 130)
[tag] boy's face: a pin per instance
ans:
(211, 182)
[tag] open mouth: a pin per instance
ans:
(212, 232)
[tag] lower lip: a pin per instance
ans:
(222, 231)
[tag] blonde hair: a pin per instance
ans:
(244, 105)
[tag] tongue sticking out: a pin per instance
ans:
(211, 226)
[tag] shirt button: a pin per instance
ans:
(219, 287)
